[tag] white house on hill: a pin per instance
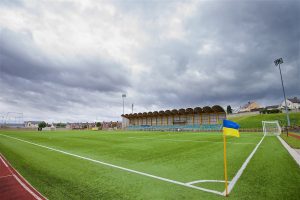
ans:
(293, 103)
(32, 124)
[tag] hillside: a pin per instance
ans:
(254, 121)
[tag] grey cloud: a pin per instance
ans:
(263, 30)
(21, 58)
(225, 56)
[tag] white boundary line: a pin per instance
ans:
(206, 181)
(119, 167)
(241, 170)
(172, 140)
(292, 152)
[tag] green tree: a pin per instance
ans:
(98, 124)
(42, 124)
(229, 109)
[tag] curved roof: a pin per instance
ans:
(145, 114)
(174, 111)
(206, 109)
(168, 112)
(198, 110)
(217, 108)
(189, 110)
(181, 111)
(161, 112)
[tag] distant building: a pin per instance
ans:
(80, 125)
(32, 124)
(250, 106)
(292, 104)
(111, 125)
(274, 107)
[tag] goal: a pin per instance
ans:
(271, 128)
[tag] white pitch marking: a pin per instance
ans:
(241, 170)
(173, 140)
(206, 181)
(119, 167)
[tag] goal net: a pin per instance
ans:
(271, 128)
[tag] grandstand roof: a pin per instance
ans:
(205, 109)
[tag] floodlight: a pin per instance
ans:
(278, 61)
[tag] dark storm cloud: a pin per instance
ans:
(247, 37)
(163, 54)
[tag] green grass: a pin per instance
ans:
(184, 157)
(254, 121)
(292, 141)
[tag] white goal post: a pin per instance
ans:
(271, 128)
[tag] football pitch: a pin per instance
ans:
(151, 165)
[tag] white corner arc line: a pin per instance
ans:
(206, 181)
(119, 167)
(241, 170)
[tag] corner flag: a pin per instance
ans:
(230, 128)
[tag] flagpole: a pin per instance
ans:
(225, 167)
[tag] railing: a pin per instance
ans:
(203, 127)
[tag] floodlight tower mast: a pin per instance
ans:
(123, 97)
(278, 62)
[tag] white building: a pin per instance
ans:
(32, 124)
(292, 104)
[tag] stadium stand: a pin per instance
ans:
(189, 119)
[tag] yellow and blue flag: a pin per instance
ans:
(231, 128)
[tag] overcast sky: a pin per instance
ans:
(72, 60)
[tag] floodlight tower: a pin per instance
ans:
(132, 108)
(123, 97)
(278, 62)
